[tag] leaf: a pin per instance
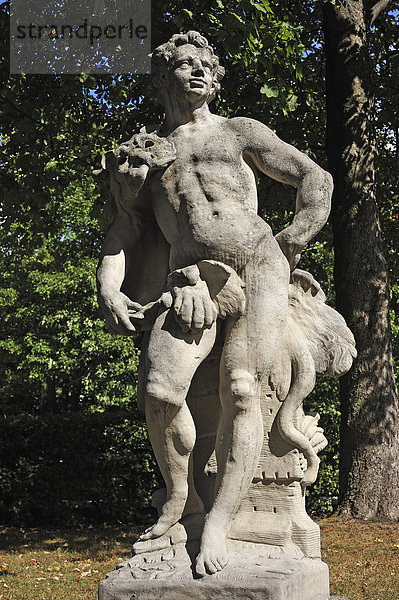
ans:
(260, 7)
(269, 91)
(238, 18)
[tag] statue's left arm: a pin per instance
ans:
(286, 164)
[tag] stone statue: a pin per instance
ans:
(235, 334)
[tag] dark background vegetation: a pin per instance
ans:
(73, 447)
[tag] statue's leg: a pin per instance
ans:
(249, 351)
(171, 360)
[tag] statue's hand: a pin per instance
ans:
(143, 317)
(289, 247)
(193, 308)
(117, 310)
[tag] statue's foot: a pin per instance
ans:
(172, 511)
(213, 555)
(159, 528)
(189, 527)
(160, 543)
(174, 535)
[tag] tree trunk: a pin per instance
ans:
(369, 463)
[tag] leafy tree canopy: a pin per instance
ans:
(55, 352)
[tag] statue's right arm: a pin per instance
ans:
(115, 256)
(113, 265)
(128, 168)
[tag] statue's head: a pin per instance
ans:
(186, 64)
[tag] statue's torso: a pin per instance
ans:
(205, 202)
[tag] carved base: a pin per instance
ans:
(274, 513)
(249, 575)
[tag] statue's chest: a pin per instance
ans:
(203, 159)
(205, 147)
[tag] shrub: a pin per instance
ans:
(73, 468)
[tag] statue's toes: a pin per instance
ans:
(200, 566)
(211, 567)
(147, 534)
(209, 564)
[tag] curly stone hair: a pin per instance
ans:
(162, 55)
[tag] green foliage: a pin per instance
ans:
(258, 42)
(54, 350)
(73, 468)
(55, 354)
(324, 400)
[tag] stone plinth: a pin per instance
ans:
(249, 576)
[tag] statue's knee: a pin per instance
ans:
(159, 395)
(243, 389)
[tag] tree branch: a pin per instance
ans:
(377, 9)
(18, 109)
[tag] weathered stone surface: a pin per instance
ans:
(234, 337)
(244, 578)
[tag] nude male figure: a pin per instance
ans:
(205, 203)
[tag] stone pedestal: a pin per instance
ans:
(246, 577)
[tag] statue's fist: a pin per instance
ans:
(289, 247)
(193, 307)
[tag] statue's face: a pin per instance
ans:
(191, 73)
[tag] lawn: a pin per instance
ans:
(363, 558)
(44, 564)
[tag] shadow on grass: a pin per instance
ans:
(90, 541)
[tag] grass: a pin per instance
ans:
(363, 558)
(44, 564)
